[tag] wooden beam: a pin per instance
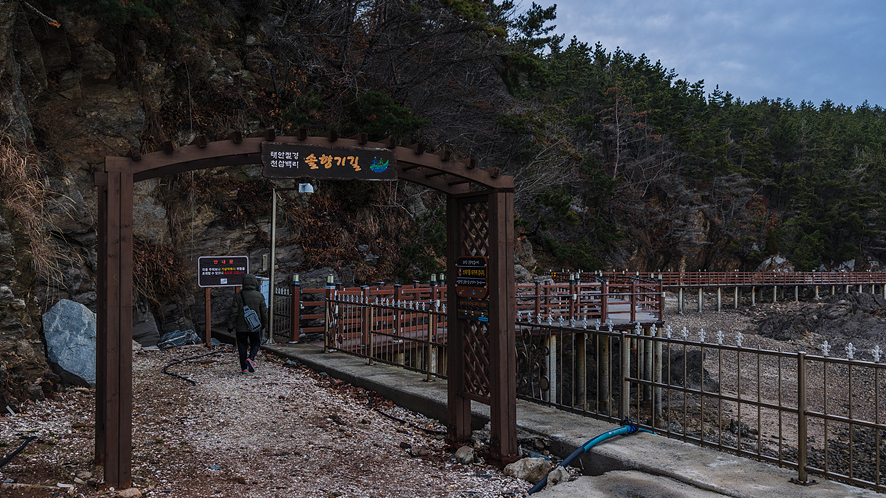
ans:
(458, 405)
(248, 151)
(101, 318)
(114, 335)
(502, 330)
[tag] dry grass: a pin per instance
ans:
(24, 191)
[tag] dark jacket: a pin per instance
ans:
(252, 298)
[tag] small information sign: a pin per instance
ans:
(328, 163)
(471, 277)
(221, 271)
(472, 288)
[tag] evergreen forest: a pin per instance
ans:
(618, 161)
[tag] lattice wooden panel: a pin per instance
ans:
(476, 348)
(475, 240)
(475, 226)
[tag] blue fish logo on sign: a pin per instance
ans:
(378, 166)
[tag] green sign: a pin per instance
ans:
(327, 163)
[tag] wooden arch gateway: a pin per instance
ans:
(480, 228)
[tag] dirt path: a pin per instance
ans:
(284, 431)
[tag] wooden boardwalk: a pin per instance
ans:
(622, 298)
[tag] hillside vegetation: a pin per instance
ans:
(618, 161)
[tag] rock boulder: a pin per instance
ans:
(70, 333)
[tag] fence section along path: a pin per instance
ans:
(597, 348)
(817, 414)
(751, 287)
(621, 300)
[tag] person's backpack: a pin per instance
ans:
(251, 317)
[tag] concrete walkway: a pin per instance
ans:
(637, 466)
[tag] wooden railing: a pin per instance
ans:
(747, 279)
(622, 300)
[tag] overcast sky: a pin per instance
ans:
(799, 49)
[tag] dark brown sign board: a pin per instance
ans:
(221, 271)
(327, 163)
(471, 287)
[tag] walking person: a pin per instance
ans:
(248, 336)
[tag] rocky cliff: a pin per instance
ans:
(24, 371)
(116, 76)
(71, 95)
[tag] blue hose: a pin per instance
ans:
(627, 427)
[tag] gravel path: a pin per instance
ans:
(283, 431)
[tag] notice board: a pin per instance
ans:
(221, 271)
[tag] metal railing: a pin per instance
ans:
(411, 334)
(813, 413)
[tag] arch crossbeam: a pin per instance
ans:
(436, 171)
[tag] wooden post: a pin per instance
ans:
(398, 315)
(328, 329)
(648, 363)
(657, 377)
(114, 335)
(295, 311)
(604, 377)
(208, 310)
(502, 329)
(365, 318)
(101, 317)
(430, 361)
(459, 406)
(552, 367)
(573, 295)
(700, 300)
(581, 384)
(633, 300)
(624, 406)
(680, 300)
(272, 284)
(604, 301)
